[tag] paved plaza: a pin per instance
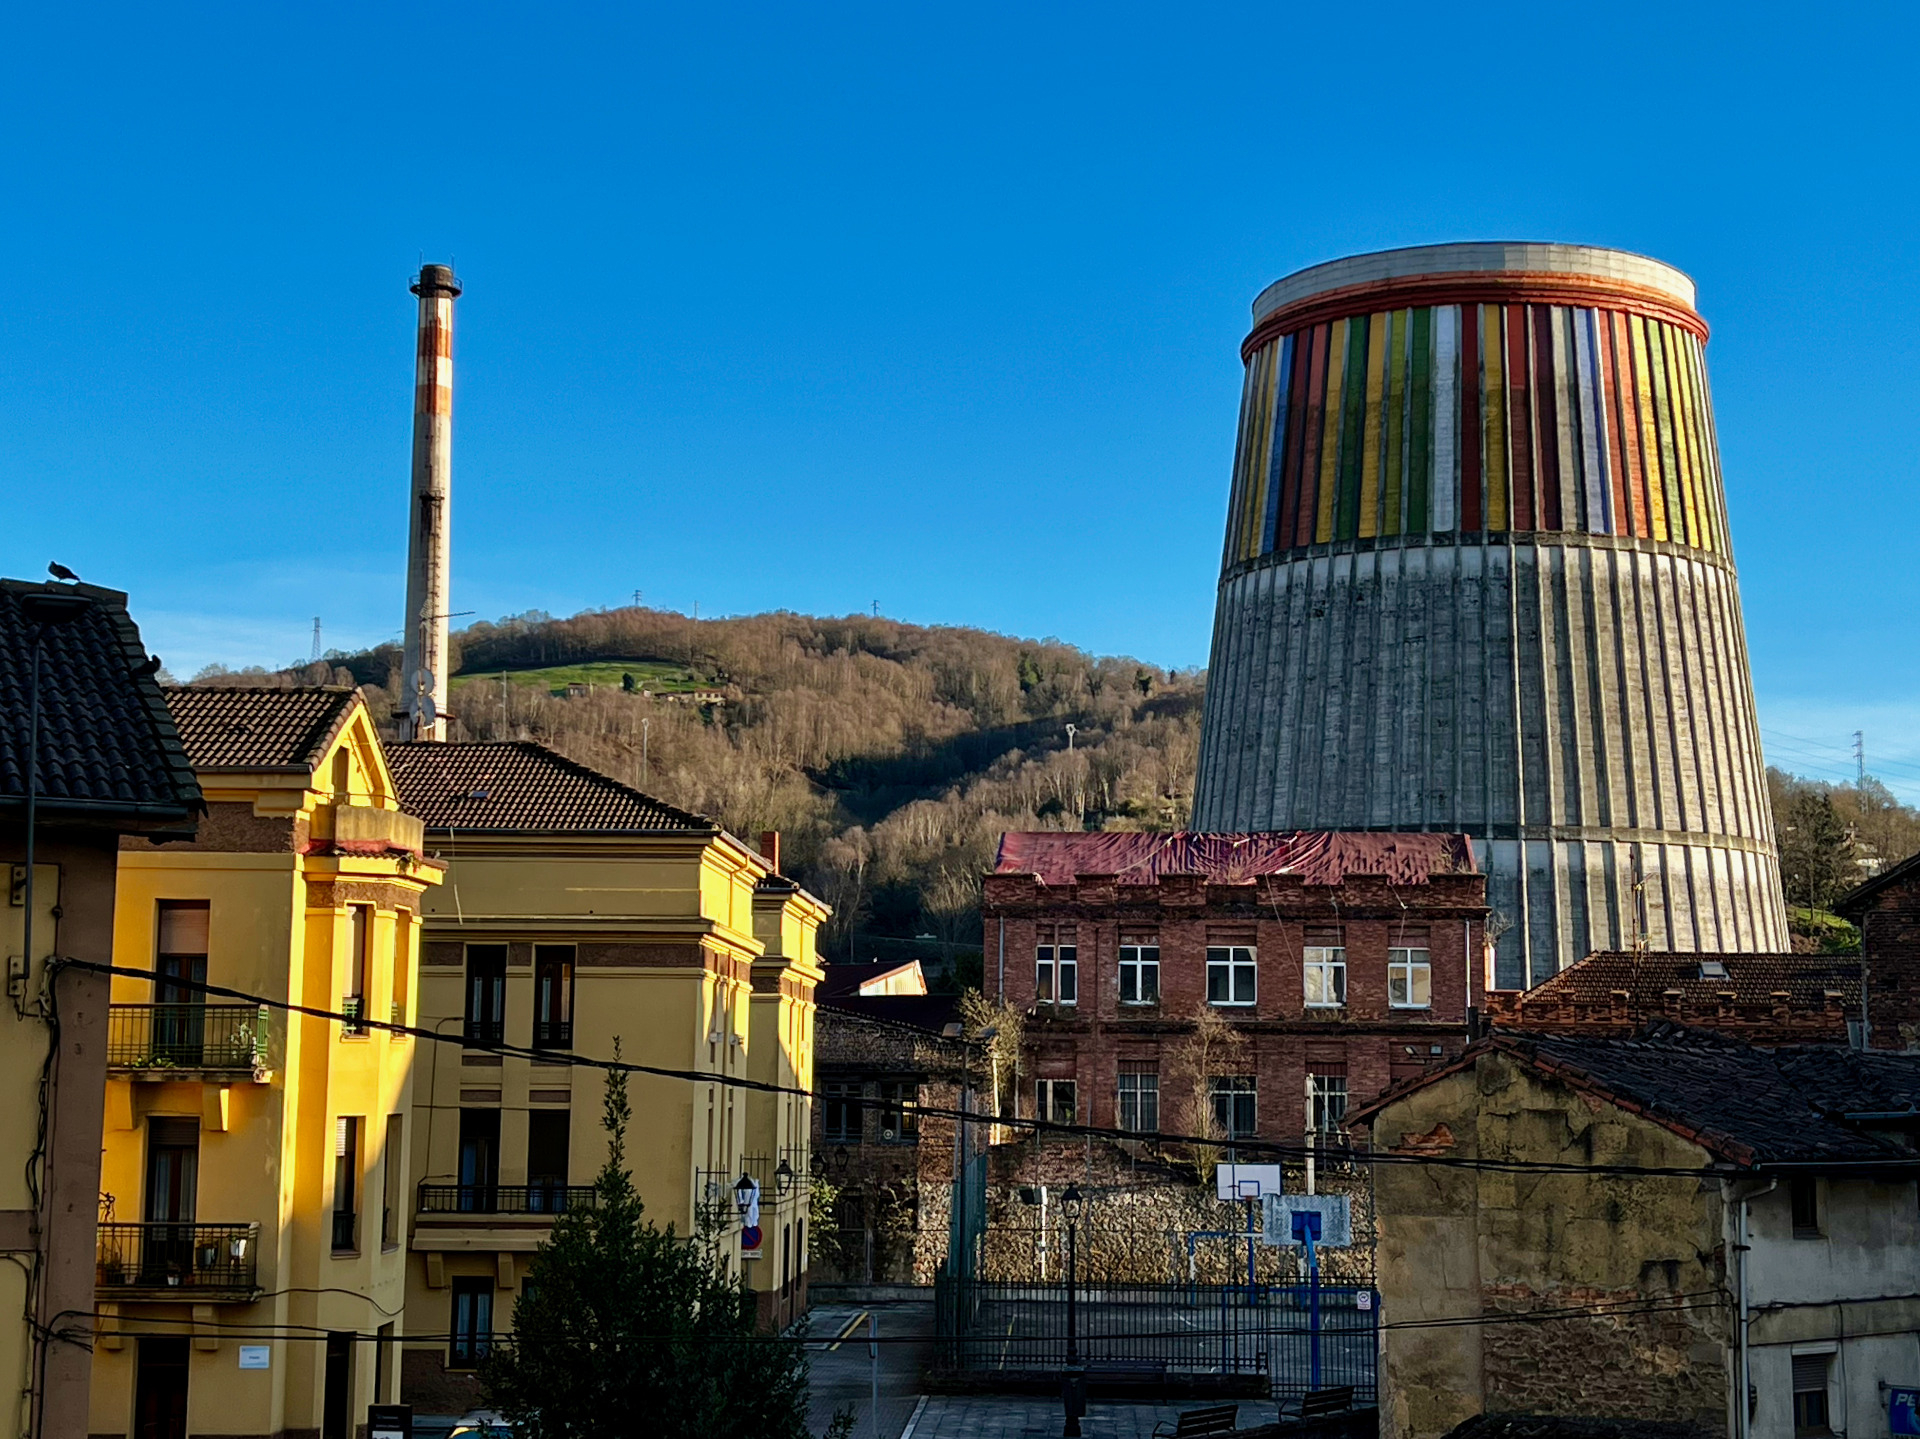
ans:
(974, 1416)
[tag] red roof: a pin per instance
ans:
(1317, 856)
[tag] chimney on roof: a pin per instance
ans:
(423, 697)
(770, 848)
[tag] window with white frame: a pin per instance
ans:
(1230, 974)
(1138, 1109)
(1056, 973)
(1139, 969)
(1326, 1103)
(1409, 979)
(1325, 968)
(1811, 1375)
(1056, 1100)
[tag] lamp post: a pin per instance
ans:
(1073, 1386)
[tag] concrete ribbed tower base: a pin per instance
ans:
(1478, 581)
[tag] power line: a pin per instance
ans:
(1323, 1154)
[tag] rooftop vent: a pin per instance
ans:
(1713, 969)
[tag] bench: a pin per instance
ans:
(1214, 1419)
(1317, 1402)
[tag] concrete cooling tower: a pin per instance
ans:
(1478, 579)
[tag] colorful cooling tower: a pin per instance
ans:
(1475, 482)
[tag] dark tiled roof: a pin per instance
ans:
(518, 787)
(108, 749)
(930, 1012)
(1855, 902)
(1648, 978)
(1741, 1103)
(1317, 856)
(253, 728)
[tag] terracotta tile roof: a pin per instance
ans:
(259, 728)
(108, 748)
(1649, 979)
(1318, 857)
(1741, 1103)
(518, 787)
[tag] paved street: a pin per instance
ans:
(843, 1374)
(955, 1416)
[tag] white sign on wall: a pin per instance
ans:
(256, 1356)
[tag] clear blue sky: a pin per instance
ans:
(813, 307)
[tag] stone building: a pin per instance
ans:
(1887, 910)
(1338, 963)
(1712, 1193)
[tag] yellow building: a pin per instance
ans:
(251, 1261)
(578, 911)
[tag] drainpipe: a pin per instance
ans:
(1001, 993)
(1743, 1404)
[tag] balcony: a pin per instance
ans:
(362, 829)
(553, 1034)
(484, 1031)
(165, 1041)
(199, 1262)
(504, 1198)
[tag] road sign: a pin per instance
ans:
(1903, 1411)
(1292, 1219)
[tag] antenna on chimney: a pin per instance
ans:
(429, 544)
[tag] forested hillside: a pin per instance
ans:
(889, 756)
(892, 756)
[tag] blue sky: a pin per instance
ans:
(934, 307)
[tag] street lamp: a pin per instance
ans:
(1073, 1386)
(743, 1194)
(783, 1178)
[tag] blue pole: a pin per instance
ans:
(1313, 1314)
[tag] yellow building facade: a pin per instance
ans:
(579, 912)
(251, 1268)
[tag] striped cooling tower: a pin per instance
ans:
(1478, 579)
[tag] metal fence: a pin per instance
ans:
(177, 1256)
(986, 1328)
(504, 1198)
(186, 1036)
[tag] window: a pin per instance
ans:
(1230, 974)
(479, 1160)
(1409, 979)
(1804, 1194)
(472, 1327)
(1056, 974)
(1235, 1100)
(553, 996)
(486, 993)
(549, 1135)
(1326, 974)
(1056, 1098)
(1139, 1100)
(401, 992)
(179, 1015)
(1139, 970)
(899, 1124)
(353, 991)
(1326, 1103)
(1810, 1412)
(346, 1183)
(393, 1178)
(840, 1112)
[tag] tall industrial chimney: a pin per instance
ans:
(423, 701)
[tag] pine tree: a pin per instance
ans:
(625, 1329)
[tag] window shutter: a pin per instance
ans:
(183, 928)
(1810, 1372)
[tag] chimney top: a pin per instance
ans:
(436, 280)
(770, 848)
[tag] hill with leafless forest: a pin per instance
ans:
(892, 756)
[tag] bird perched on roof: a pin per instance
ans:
(61, 572)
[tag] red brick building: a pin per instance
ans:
(1344, 962)
(1887, 909)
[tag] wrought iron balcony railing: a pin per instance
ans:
(504, 1198)
(187, 1036)
(197, 1259)
(485, 1031)
(553, 1034)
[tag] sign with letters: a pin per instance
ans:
(1903, 1411)
(256, 1356)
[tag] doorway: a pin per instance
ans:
(337, 1388)
(479, 1159)
(160, 1389)
(173, 1181)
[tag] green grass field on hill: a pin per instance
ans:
(659, 676)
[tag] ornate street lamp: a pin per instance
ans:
(1073, 1386)
(783, 1178)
